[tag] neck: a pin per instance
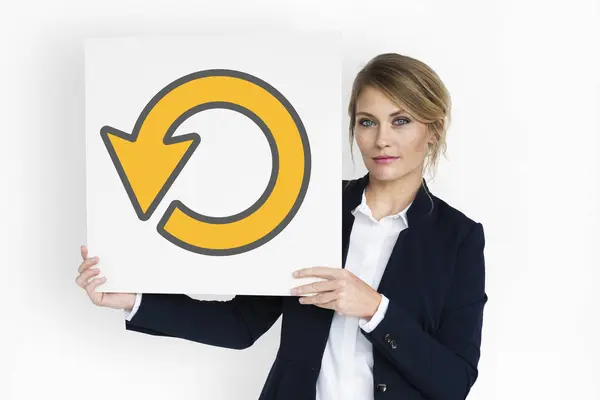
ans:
(390, 197)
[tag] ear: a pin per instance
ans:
(431, 140)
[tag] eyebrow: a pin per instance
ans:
(372, 116)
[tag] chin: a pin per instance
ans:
(384, 173)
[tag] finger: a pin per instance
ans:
(88, 263)
(320, 272)
(317, 287)
(93, 284)
(84, 277)
(84, 252)
(320, 298)
(332, 305)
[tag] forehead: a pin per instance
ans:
(373, 99)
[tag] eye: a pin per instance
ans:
(366, 122)
(403, 121)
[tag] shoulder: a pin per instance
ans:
(449, 220)
(455, 222)
(348, 183)
(350, 188)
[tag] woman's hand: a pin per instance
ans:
(86, 279)
(343, 292)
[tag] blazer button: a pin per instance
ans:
(381, 387)
(387, 337)
(393, 344)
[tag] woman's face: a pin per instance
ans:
(392, 143)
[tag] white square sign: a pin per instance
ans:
(213, 163)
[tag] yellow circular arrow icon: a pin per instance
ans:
(150, 159)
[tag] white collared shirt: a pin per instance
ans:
(347, 364)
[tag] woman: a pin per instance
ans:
(403, 318)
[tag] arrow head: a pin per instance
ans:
(147, 168)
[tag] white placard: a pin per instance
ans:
(214, 162)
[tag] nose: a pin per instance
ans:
(383, 136)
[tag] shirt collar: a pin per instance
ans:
(423, 210)
(364, 208)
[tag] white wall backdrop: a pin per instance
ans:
(522, 159)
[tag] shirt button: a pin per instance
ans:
(381, 387)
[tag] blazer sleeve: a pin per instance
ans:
(443, 364)
(234, 324)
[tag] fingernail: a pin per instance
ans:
(294, 291)
(295, 273)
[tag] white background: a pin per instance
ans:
(523, 160)
(228, 171)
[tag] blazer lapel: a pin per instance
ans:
(351, 197)
(420, 214)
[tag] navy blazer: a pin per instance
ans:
(426, 346)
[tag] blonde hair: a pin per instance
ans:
(413, 86)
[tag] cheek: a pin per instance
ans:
(362, 140)
(413, 149)
(415, 142)
(414, 146)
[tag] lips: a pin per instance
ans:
(384, 158)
